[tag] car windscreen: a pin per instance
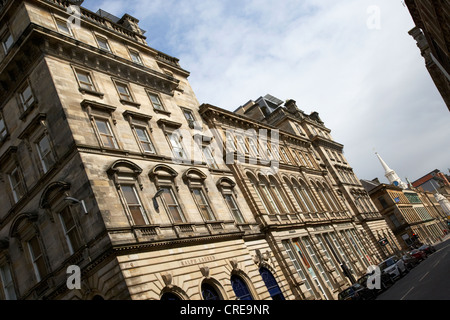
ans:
(386, 264)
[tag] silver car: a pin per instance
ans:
(394, 266)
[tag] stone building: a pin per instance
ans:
(410, 214)
(303, 203)
(109, 166)
(432, 34)
(96, 174)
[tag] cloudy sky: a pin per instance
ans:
(350, 60)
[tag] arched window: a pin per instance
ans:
(240, 288)
(271, 284)
(209, 292)
(255, 186)
(268, 196)
(126, 177)
(296, 192)
(279, 194)
(307, 193)
(169, 296)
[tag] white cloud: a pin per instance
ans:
(370, 87)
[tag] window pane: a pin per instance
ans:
(38, 259)
(26, 97)
(203, 204)
(103, 44)
(130, 195)
(177, 149)
(156, 102)
(234, 208)
(16, 184)
(2, 128)
(145, 140)
(7, 282)
(104, 129)
(172, 205)
(85, 80)
(124, 92)
(134, 205)
(135, 57)
(63, 27)
(8, 41)
(71, 232)
(45, 153)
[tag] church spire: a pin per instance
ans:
(391, 175)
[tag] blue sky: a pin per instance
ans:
(350, 60)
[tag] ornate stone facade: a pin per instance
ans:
(108, 164)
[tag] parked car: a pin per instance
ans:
(410, 261)
(385, 282)
(356, 292)
(419, 254)
(428, 249)
(394, 266)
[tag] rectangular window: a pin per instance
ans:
(383, 202)
(37, 258)
(144, 140)
(297, 265)
(106, 134)
(317, 263)
(177, 147)
(16, 183)
(203, 205)
(7, 42)
(209, 157)
(63, 27)
(189, 117)
(284, 155)
(253, 147)
(134, 204)
(85, 80)
(45, 153)
(124, 91)
(26, 97)
(103, 44)
(135, 57)
(70, 230)
(3, 132)
(241, 142)
(156, 102)
(172, 206)
(232, 205)
(7, 282)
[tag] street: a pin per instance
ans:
(430, 280)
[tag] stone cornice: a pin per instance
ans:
(321, 141)
(213, 112)
(37, 40)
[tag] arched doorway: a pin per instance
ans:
(169, 296)
(209, 292)
(240, 288)
(271, 284)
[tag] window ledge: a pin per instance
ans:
(131, 103)
(24, 114)
(91, 92)
(167, 113)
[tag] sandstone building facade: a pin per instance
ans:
(108, 163)
(432, 35)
